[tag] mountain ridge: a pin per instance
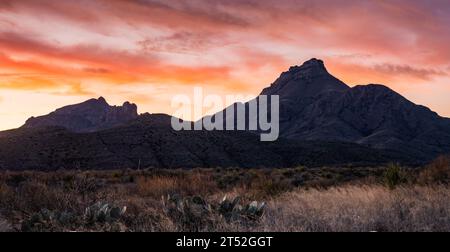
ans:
(89, 116)
(323, 121)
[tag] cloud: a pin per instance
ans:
(73, 47)
(90, 61)
(182, 42)
(97, 70)
(74, 89)
(420, 73)
(400, 29)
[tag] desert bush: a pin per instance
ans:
(437, 172)
(394, 176)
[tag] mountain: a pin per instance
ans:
(322, 122)
(149, 141)
(89, 116)
(315, 106)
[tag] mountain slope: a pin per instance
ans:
(316, 106)
(149, 141)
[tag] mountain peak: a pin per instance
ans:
(102, 100)
(313, 65)
(308, 80)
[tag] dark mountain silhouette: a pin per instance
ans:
(314, 106)
(322, 122)
(149, 141)
(89, 116)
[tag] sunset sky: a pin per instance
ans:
(54, 53)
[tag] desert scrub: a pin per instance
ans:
(267, 187)
(394, 175)
(437, 172)
(99, 216)
(360, 208)
(185, 184)
(306, 199)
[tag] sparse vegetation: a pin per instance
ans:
(391, 198)
(394, 175)
(4, 225)
(438, 172)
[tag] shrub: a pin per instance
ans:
(266, 187)
(394, 176)
(437, 172)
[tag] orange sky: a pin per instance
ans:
(54, 53)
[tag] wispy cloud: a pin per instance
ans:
(79, 47)
(420, 73)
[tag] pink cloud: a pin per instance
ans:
(237, 44)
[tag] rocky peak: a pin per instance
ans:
(102, 100)
(130, 107)
(88, 116)
(312, 66)
(307, 80)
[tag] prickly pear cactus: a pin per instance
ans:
(195, 214)
(48, 221)
(103, 212)
(232, 210)
(254, 210)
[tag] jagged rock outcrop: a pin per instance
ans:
(89, 116)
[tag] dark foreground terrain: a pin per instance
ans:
(151, 142)
(390, 198)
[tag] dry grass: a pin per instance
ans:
(361, 208)
(437, 172)
(190, 184)
(300, 199)
(4, 225)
